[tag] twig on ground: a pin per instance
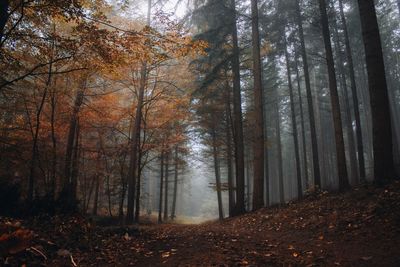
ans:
(39, 252)
(72, 261)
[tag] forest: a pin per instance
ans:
(199, 132)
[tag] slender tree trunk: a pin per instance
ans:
(360, 146)
(303, 131)
(135, 137)
(89, 195)
(379, 97)
(122, 198)
(175, 184)
(238, 120)
(67, 190)
(161, 188)
(231, 191)
(346, 104)
(166, 186)
(314, 143)
(54, 145)
(138, 188)
(217, 174)
(279, 152)
(35, 152)
(337, 120)
(258, 145)
(140, 172)
(96, 195)
(294, 122)
(75, 163)
(132, 171)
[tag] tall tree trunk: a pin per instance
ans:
(138, 187)
(123, 192)
(161, 188)
(279, 152)
(35, 134)
(89, 194)
(238, 120)
(258, 145)
(346, 104)
(337, 120)
(67, 190)
(54, 144)
(96, 195)
(132, 171)
(166, 186)
(75, 163)
(314, 142)
(135, 137)
(294, 122)
(360, 146)
(303, 131)
(379, 97)
(175, 183)
(217, 174)
(140, 172)
(231, 191)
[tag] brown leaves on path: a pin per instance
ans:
(359, 228)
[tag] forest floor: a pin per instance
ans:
(357, 228)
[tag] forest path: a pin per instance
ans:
(358, 228)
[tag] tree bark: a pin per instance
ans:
(35, 152)
(217, 174)
(140, 171)
(231, 190)
(303, 131)
(67, 190)
(356, 105)
(314, 142)
(75, 163)
(161, 188)
(337, 120)
(258, 142)
(166, 186)
(238, 120)
(54, 144)
(279, 152)
(173, 215)
(346, 104)
(379, 97)
(96, 195)
(294, 122)
(135, 137)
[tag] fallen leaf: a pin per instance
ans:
(366, 258)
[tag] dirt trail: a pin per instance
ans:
(359, 228)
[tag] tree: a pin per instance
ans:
(258, 189)
(378, 91)
(238, 119)
(294, 121)
(337, 120)
(133, 165)
(360, 146)
(314, 142)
